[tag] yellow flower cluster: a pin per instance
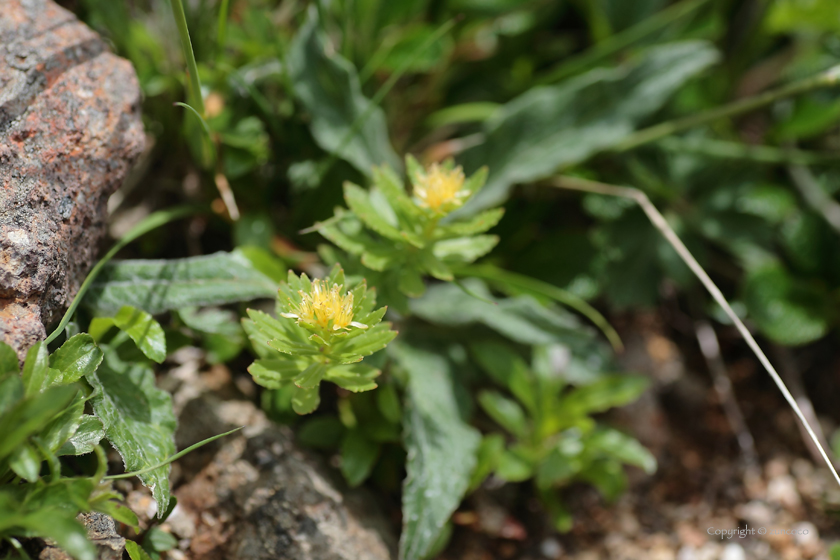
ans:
(325, 307)
(439, 189)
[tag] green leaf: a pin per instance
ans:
(606, 393)
(787, 311)
(358, 455)
(305, 401)
(359, 202)
(389, 403)
(121, 513)
(353, 377)
(36, 369)
(89, 433)
(513, 468)
(25, 462)
(504, 411)
(77, 357)
(62, 527)
(135, 552)
(138, 421)
(477, 224)
(622, 447)
(273, 373)
(311, 377)
(546, 128)
(8, 359)
(465, 249)
(156, 286)
(411, 282)
(146, 333)
(323, 432)
(441, 450)
(64, 425)
(159, 540)
(372, 340)
(607, 476)
(521, 318)
(342, 119)
(487, 458)
(28, 417)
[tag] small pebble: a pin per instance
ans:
(551, 548)
(733, 551)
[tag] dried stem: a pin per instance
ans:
(661, 224)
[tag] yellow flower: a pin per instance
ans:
(325, 307)
(439, 189)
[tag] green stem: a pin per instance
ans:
(736, 150)
(172, 458)
(584, 61)
(196, 99)
(221, 34)
(824, 79)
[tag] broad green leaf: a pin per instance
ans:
(787, 311)
(343, 121)
(620, 446)
(139, 422)
(76, 358)
(551, 127)
(520, 318)
(441, 450)
(8, 359)
(28, 417)
(144, 331)
(358, 455)
(506, 412)
(156, 286)
(89, 433)
(11, 391)
(64, 425)
(36, 369)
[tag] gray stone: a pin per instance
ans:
(70, 129)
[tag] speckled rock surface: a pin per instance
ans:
(261, 498)
(102, 531)
(70, 129)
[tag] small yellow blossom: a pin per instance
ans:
(439, 189)
(325, 307)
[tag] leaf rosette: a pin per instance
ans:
(411, 235)
(322, 332)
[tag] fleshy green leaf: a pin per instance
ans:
(310, 378)
(504, 411)
(156, 286)
(305, 401)
(342, 119)
(358, 455)
(606, 393)
(441, 451)
(76, 358)
(353, 377)
(273, 373)
(477, 224)
(358, 200)
(135, 552)
(622, 447)
(465, 249)
(8, 359)
(139, 422)
(146, 333)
